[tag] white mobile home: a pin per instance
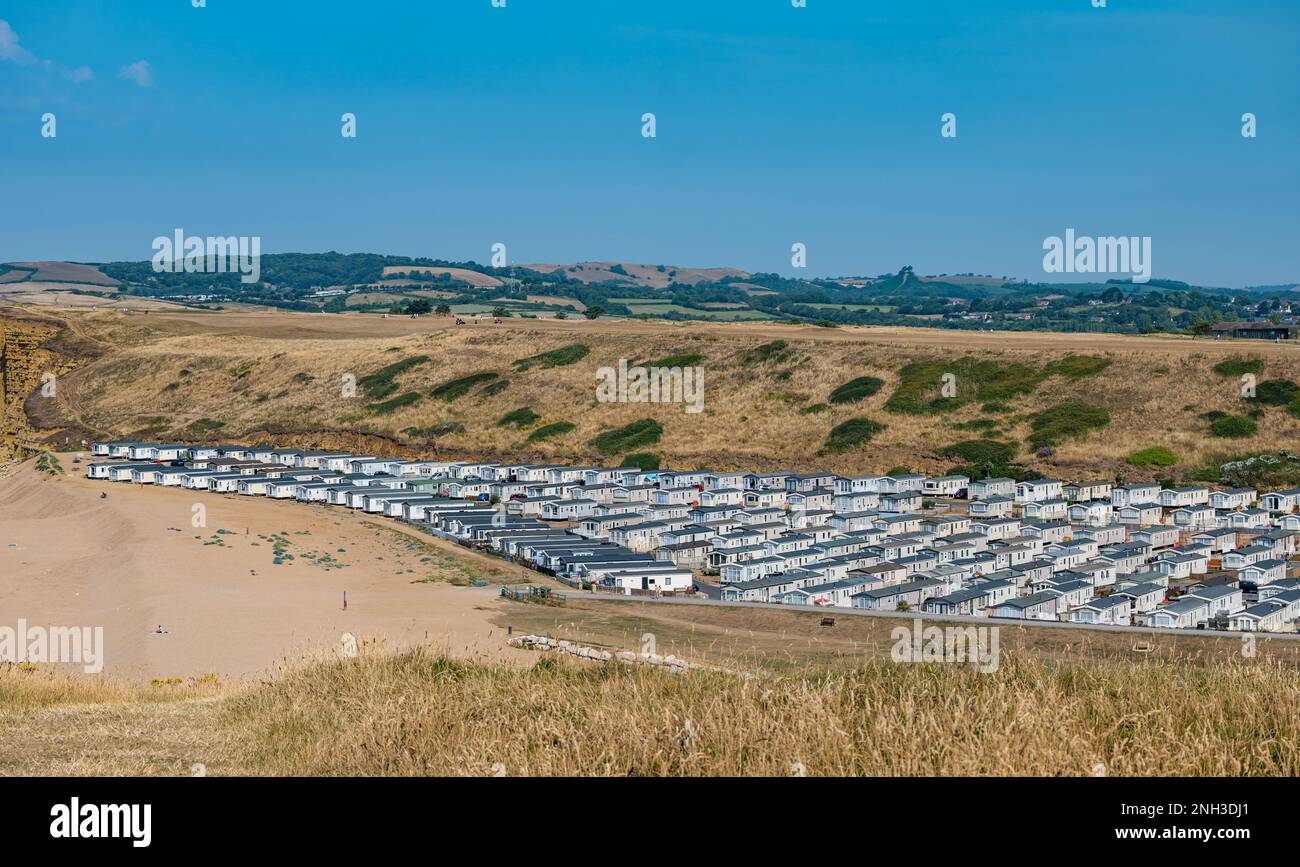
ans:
(1038, 491)
(1264, 617)
(1132, 495)
(1263, 572)
(946, 486)
(1035, 606)
(1114, 609)
(1185, 613)
(982, 489)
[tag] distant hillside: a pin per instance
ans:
(1106, 406)
(55, 272)
(380, 284)
(474, 278)
(632, 274)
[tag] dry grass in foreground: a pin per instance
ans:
(419, 713)
(422, 713)
(69, 725)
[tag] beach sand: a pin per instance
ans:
(132, 562)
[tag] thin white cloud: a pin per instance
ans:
(9, 47)
(12, 51)
(139, 72)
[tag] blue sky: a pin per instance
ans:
(775, 125)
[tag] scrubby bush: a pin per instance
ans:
(554, 429)
(1277, 392)
(1233, 427)
(986, 451)
(1077, 366)
(519, 418)
(856, 389)
(851, 434)
(389, 407)
(565, 355)
(645, 461)
(688, 359)
(380, 383)
(457, 388)
(1064, 421)
(642, 432)
(1238, 366)
(1156, 456)
(776, 351)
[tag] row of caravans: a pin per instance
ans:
(475, 521)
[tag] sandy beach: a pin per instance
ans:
(133, 561)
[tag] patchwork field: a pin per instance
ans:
(67, 272)
(474, 278)
(639, 275)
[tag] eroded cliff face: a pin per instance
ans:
(26, 363)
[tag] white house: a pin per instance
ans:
(1114, 609)
(1185, 613)
(1141, 514)
(983, 489)
(1223, 600)
(1045, 510)
(946, 486)
(1264, 617)
(567, 510)
(1194, 516)
(1038, 490)
(1144, 597)
(1188, 495)
(992, 507)
(1083, 491)
(1233, 498)
(1130, 495)
(98, 471)
(1281, 501)
(1263, 572)
(1035, 606)
(1093, 512)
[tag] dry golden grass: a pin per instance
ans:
(785, 639)
(65, 724)
(1155, 389)
(422, 713)
(418, 714)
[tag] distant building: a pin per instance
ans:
(1253, 330)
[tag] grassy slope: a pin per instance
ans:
(261, 385)
(420, 713)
